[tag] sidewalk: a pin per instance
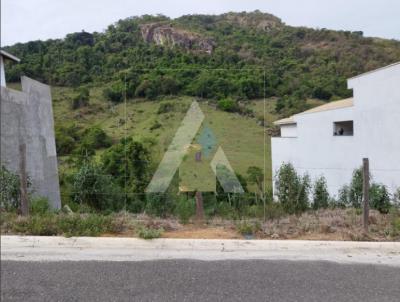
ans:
(34, 248)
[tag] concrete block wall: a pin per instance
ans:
(27, 117)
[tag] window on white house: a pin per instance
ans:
(344, 128)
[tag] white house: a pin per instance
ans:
(332, 139)
(5, 56)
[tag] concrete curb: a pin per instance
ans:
(35, 248)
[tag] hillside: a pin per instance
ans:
(137, 79)
(150, 50)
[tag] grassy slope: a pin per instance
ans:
(240, 137)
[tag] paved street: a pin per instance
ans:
(192, 280)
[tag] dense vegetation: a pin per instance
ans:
(294, 61)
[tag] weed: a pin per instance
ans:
(149, 233)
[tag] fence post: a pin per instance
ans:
(366, 185)
(199, 207)
(23, 180)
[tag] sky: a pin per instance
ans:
(26, 20)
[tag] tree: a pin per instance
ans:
(255, 176)
(129, 163)
(320, 194)
(292, 189)
(379, 198)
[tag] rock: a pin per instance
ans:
(167, 35)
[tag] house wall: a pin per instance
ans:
(27, 117)
(376, 116)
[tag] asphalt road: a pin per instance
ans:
(189, 280)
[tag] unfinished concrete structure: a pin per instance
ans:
(27, 118)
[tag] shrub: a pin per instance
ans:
(246, 228)
(274, 210)
(90, 186)
(353, 194)
(356, 188)
(149, 89)
(228, 105)
(292, 189)
(158, 205)
(184, 209)
(84, 225)
(343, 199)
(320, 194)
(66, 137)
(81, 99)
(39, 225)
(128, 158)
(9, 190)
(39, 205)
(165, 107)
(379, 198)
(396, 198)
(149, 233)
(95, 138)
(115, 93)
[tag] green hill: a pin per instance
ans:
(229, 63)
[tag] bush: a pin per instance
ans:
(150, 233)
(274, 210)
(352, 195)
(66, 138)
(39, 205)
(320, 194)
(396, 198)
(184, 209)
(149, 89)
(131, 158)
(91, 187)
(159, 205)
(95, 138)
(228, 105)
(115, 93)
(356, 188)
(38, 225)
(81, 99)
(9, 190)
(84, 225)
(343, 198)
(50, 224)
(165, 107)
(292, 189)
(379, 198)
(246, 228)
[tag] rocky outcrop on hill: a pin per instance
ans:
(255, 20)
(167, 35)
